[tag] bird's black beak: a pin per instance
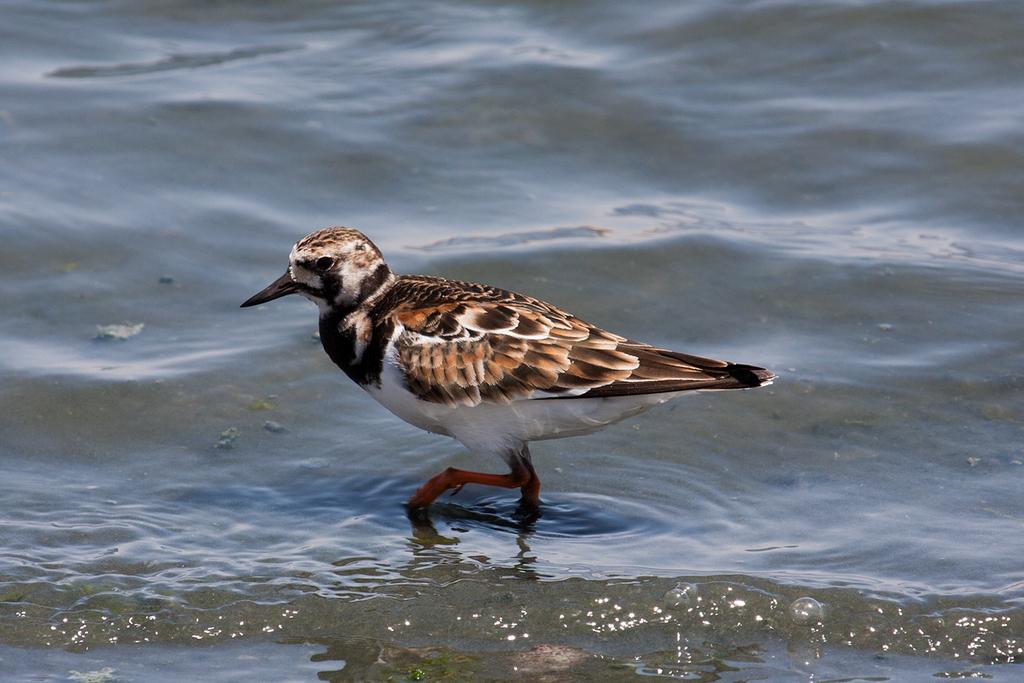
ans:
(282, 286)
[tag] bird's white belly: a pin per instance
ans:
(393, 395)
(491, 426)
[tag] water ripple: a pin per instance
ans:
(193, 60)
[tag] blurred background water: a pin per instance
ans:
(830, 189)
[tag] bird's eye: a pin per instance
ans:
(323, 263)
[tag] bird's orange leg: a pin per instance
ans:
(531, 489)
(522, 477)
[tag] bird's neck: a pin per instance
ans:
(354, 337)
(346, 291)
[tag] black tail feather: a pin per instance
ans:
(749, 375)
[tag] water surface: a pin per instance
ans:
(832, 190)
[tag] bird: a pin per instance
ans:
(491, 368)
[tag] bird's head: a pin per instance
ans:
(336, 268)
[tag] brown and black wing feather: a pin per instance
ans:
(465, 344)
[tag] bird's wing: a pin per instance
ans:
(497, 346)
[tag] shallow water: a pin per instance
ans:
(832, 190)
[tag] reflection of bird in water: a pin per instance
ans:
(491, 368)
(522, 521)
(429, 547)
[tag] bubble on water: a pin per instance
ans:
(806, 611)
(121, 332)
(681, 595)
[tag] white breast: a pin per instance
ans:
(396, 397)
